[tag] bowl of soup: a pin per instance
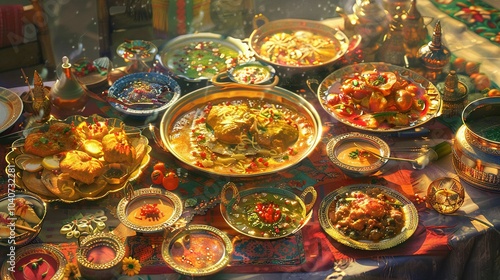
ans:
(149, 210)
(240, 132)
(358, 154)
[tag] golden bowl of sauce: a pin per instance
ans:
(149, 210)
(352, 153)
(197, 250)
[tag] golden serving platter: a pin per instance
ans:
(266, 213)
(384, 117)
(197, 250)
(11, 108)
(94, 191)
(160, 209)
(331, 202)
(184, 122)
(49, 260)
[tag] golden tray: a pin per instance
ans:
(17, 149)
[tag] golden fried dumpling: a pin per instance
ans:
(94, 131)
(117, 148)
(81, 166)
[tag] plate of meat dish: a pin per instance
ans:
(368, 217)
(379, 97)
(76, 159)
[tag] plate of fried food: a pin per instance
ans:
(379, 97)
(368, 217)
(77, 158)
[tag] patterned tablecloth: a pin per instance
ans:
(443, 247)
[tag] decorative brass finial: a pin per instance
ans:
(454, 95)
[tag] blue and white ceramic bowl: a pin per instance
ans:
(143, 94)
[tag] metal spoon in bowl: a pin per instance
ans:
(418, 163)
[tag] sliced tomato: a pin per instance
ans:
(332, 99)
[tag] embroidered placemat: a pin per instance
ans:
(478, 15)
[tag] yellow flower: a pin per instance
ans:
(71, 271)
(131, 266)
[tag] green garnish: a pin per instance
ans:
(354, 154)
(380, 80)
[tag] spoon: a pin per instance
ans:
(418, 163)
(383, 157)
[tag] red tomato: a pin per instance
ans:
(481, 81)
(160, 166)
(404, 100)
(494, 92)
(157, 177)
(471, 67)
(170, 181)
(377, 102)
(459, 64)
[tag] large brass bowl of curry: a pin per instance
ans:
(240, 132)
(295, 46)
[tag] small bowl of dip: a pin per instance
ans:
(351, 152)
(253, 72)
(149, 210)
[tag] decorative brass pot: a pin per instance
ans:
(100, 256)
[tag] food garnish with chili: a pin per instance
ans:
(377, 99)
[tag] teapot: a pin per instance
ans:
(369, 19)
